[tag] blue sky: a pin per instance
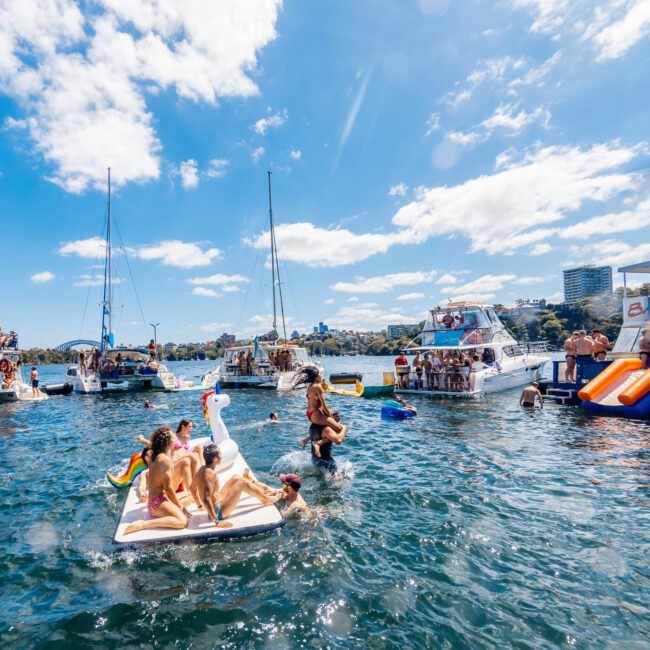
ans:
(421, 150)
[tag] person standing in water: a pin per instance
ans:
(325, 428)
(529, 395)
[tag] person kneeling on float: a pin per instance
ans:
(163, 505)
(219, 503)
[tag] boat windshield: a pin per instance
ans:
(460, 325)
(127, 356)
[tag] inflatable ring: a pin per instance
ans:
(395, 411)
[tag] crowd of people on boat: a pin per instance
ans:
(94, 362)
(8, 340)
(443, 370)
(581, 348)
(245, 363)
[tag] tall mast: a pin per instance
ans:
(275, 269)
(275, 324)
(107, 317)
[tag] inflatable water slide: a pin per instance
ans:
(623, 388)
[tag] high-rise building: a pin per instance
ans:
(227, 339)
(586, 281)
(321, 329)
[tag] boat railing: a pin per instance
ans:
(445, 381)
(523, 349)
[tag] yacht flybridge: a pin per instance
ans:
(111, 368)
(465, 350)
(268, 363)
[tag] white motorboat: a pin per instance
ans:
(118, 367)
(476, 354)
(13, 387)
(262, 370)
(249, 518)
(269, 363)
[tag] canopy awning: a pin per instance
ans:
(642, 267)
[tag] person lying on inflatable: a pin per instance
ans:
(408, 407)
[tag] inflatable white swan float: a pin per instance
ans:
(249, 518)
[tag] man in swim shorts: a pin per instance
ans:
(584, 348)
(321, 446)
(570, 349)
(529, 394)
(601, 345)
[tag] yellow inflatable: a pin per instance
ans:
(357, 392)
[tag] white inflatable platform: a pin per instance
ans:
(249, 518)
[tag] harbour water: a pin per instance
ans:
(473, 525)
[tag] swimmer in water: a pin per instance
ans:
(148, 404)
(529, 395)
(289, 493)
(273, 417)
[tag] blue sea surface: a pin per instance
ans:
(474, 525)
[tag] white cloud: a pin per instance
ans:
(230, 288)
(219, 279)
(353, 299)
(90, 248)
(550, 14)
(94, 281)
(609, 252)
(447, 278)
(398, 190)
(183, 255)
(541, 249)
(528, 280)
(189, 173)
(217, 168)
(506, 117)
(82, 78)
(329, 301)
(207, 293)
(464, 138)
(555, 298)
(610, 223)
(308, 244)
(535, 76)
(617, 38)
(258, 153)
(411, 296)
(295, 154)
(384, 283)
(354, 109)
(214, 328)
(42, 277)
(273, 121)
(501, 212)
(485, 284)
(368, 316)
(433, 123)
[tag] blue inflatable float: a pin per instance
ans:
(394, 410)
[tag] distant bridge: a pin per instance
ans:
(73, 344)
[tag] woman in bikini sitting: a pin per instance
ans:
(318, 412)
(163, 505)
(186, 463)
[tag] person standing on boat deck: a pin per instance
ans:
(152, 347)
(448, 320)
(530, 394)
(249, 363)
(584, 348)
(438, 378)
(33, 377)
(601, 345)
(570, 357)
(428, 371)
(402, 370)
(83, 370)
(417, 366)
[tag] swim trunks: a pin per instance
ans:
(328, 466)
(154, 502)
(529, 405)
(34, 383)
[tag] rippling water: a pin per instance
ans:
(473, 525)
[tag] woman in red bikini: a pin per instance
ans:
(317, 410)
(163, 505)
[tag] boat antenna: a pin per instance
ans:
(275, 268)
(107, 323)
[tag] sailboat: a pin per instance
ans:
(117, 367)
(269, 361)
